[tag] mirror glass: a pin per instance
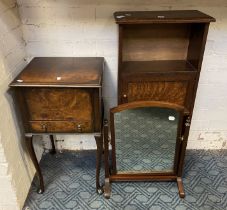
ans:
(145, 140)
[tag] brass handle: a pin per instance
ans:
(44, 127)
(79, 128)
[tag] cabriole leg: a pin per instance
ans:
(99, 151)
(29, 143)
(53, 150)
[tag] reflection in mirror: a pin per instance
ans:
(145, 140)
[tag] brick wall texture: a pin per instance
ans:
(16, 170)
(87, 28)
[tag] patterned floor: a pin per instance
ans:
(70, 184)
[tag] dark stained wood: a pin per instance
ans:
(53, 150)
(22, 107)
(173, 92)
(111, 174)
(29, 143)
(171, 16)
(59, 71)
(106, 148)
(120, 39)
(197, 62)
(180, 187)
(142, 177)
(98, 109)
(174, 87)
(165, 66)
(61, 126)
(139, 104)
(160, 58)
(159, 42)
(59, 104)
(61, 95)
(99, 151)
(185, 133)
(106, 187)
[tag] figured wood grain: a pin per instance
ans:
(173, 92)
(155, 42)
(59, 104)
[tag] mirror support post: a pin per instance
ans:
(106, 158)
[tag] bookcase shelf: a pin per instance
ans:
(158, 66)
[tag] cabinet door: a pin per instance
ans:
(175, 89)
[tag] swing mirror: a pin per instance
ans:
(145, 140)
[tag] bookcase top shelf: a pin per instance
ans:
(172, 16)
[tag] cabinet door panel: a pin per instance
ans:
(168, 91)
(175, 88)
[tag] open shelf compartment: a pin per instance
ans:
(167, 45)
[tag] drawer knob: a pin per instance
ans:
(44, 127)
(79, 128)
(124, 96)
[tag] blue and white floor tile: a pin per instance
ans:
(70, 184)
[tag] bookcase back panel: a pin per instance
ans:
(168, 91)
(155, 42)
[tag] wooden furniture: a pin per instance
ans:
(61, 95)
(138, 151)
(160, 58)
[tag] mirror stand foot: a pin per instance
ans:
(180, 187)
(107, 188)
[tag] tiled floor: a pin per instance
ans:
(70, 184)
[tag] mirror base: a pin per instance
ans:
(180, 187)
(107, 190)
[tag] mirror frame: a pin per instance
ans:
(144, 175)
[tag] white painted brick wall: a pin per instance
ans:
(87, 28)
(16, 169)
